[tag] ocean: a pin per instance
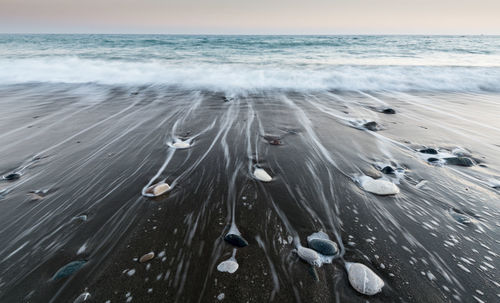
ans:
(170, 168)
(243, 63)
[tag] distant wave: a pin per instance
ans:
(234, 77)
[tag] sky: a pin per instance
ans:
(251, 16)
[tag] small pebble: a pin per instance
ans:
(229, 266)
(68, 269)
(460, 161)
(309, 255)
(13, 176)
(147, 257)
(363, 279)
(378, 186)
(324, 246)
(262, 175)
(372, 125)
(430, 151)
(388, 170)
(158, 189)
(389, 111)
(236, 240)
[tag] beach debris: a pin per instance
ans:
(388, 170)
(68, 269)
(388, 111)
(460, 161)
(261, 175)
(430, 151)
(158, 189)
(181, 144)
(363, 279)
(323, 246)
(230, 265)
(378, 186)
(372, 125)
(308, 255)
(12, 176)
(234, 237)
(147, 257)
(85, 296)
(460, 216)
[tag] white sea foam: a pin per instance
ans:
(237, 77)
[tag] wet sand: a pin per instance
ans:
(88, 151)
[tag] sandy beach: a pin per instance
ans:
(85, 152)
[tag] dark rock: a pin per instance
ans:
(460, 217)
(430, 151)
(388, 170)
(388, 111)
(68, 269)
(13, 176)
(432, 160)
(324, 246)
(460, 161)
(236, 240)
(373, 126)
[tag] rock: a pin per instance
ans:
(388, 111)
(432, 160)
(460, 217)
(388, 170)
(181, 144)
(68, 269)
(460, 161)
(372, 172)
(229, 266)
(147, 257)
(275, 142)
(372, 125)
(363, 279)
(324, 246)
(158, 189)
(309, 255)
(83, 297)
(236, 240)
(12, 176)
(262, 175)
(430, 151)
(378, 186)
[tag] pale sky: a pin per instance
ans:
(251, 16)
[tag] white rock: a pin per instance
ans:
(363, 279)
(158, 189)
(181, 144)
(378, 186)
(262, 175)
(309, 255)
(229, 266)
